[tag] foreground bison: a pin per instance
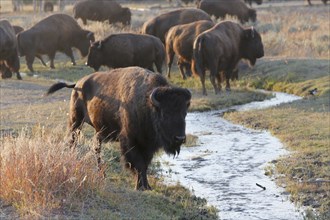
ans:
(159, 25)
(179, 41)
(220, 48)
(101, 11)
(58, 32)
(135, 106)
(235, 8)
(126, 49)
(9, 60)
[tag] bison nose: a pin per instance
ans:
(180, 139)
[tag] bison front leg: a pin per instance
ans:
(137, 162)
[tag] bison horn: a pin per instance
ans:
(90, 35)
(252, 31)
(153, 99)
(100, 45)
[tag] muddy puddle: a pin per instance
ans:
(228, 163)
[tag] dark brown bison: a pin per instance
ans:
(135, 106)
(220, 48)
(324, 2)
(9, 60)
(235, 8)
(127, 49)
(101, 11)
(58, 32)
(258, 2)
(180, 40)
(159, 25)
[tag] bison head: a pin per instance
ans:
(170, 105)
(125, 16)
(252, 47)
(252, 15)
(95, 57)
(82, 42)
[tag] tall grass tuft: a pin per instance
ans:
(40, 173)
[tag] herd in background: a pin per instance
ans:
(134, 105)
(172, 33)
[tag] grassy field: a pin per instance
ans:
(43, 178)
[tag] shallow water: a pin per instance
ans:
(228, 163)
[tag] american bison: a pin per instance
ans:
(220, 48)
(101, 11)
(58, 32)
(127, 49)
(135, 106)
(233, 7)
(258, 2)
(180, 40)
(159, 25)
(9, 60)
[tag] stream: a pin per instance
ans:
(227, 163)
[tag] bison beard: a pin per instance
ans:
(135, 106)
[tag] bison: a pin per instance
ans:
(159, 25)
(135, 106)
(58, 32)
(233, 7)
(258, 2)
(127, 49)
(220, 48)
(179, 41)
(101, 11)
(9, 60)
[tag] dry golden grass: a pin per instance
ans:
(40, 173)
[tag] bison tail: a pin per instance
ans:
(197, 61)
(59, 86)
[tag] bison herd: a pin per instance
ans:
(131, 103)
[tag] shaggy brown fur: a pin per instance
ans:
(222, 8)
(126, 49)
(9, 60)
(58, 32)
(159, 25)
(180, 40)
(220, 48)
(135, 106)
(101, 11)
